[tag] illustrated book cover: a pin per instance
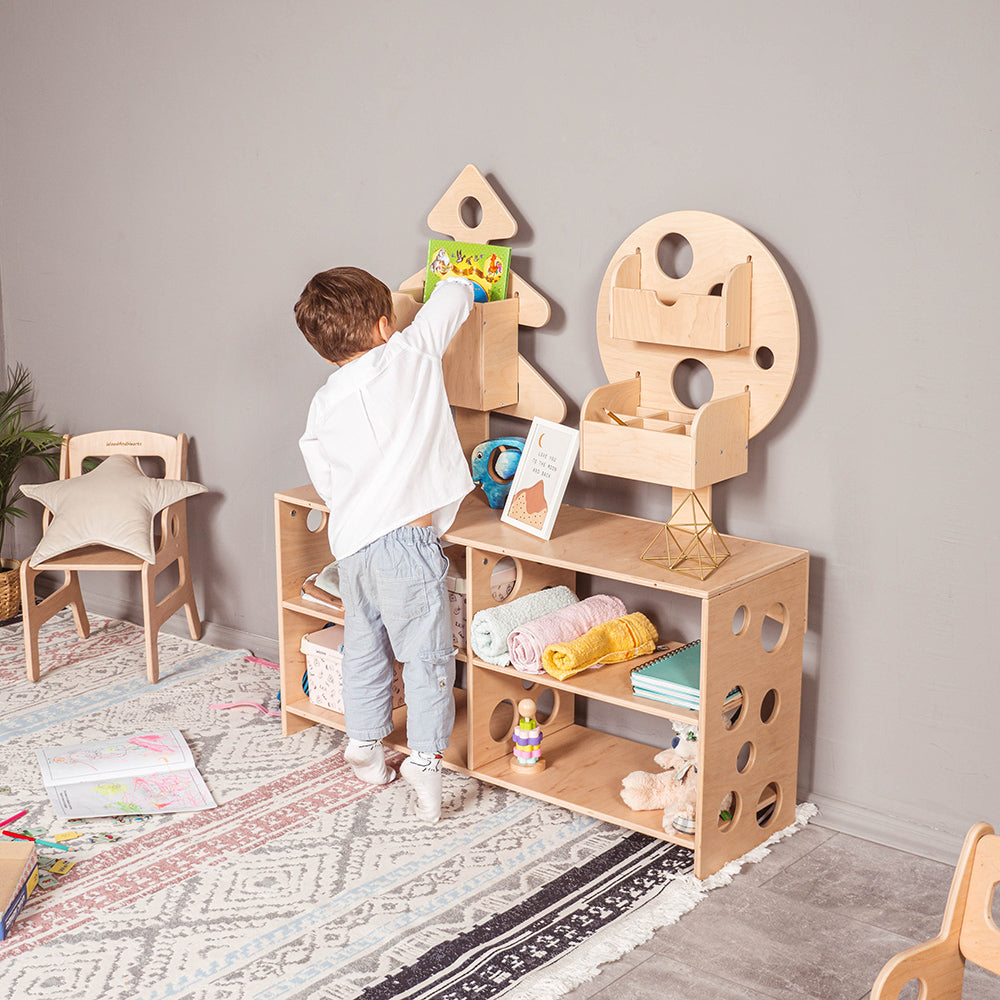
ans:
(18, 879)
(541, 478)
(146, 773)
(486, 266)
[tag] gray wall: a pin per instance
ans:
(171, 175)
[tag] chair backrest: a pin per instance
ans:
(979, 939)
(141, 444)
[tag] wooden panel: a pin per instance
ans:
(480, 364)
(584, 771)
(455, 756)
(706, 322)
(496, 222)
(734, 654)
(980, 939)
(609, 684)
(535, 397)
(609, 545)
(718, 245)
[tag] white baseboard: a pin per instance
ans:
(222, 636)
(890, 831)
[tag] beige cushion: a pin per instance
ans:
(114, 505)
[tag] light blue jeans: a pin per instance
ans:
(396, 607)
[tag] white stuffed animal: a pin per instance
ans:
(675, 788)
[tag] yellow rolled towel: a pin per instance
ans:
(610, 642)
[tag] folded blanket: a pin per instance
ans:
(491, 626)
(528, 641)
(620, 639)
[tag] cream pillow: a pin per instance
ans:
(113, 505)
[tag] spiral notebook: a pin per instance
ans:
(675, 675)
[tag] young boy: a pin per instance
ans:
(382, 451)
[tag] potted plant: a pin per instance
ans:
(19, 439)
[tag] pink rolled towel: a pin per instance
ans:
(527, 642)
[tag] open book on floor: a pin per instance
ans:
(145, 773)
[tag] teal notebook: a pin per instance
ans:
(678, 671)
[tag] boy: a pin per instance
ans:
(382, 451)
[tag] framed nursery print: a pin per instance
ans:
(541, 477)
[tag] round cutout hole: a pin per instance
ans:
(728, 811)
(741, 620)
(674, 255)
(769, 706)
(745, 757)
(693, 384)
(768, 804)
(764, 358)
(502, 721)
(545, 705)
(316, 520)
(471, 212)
(716, 289)
(732, 707)
(503, 578)
(774, 627)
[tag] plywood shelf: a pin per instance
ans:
(609, 684)
(577, 764)
(455, 755)
(584, 766)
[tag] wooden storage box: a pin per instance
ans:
(707, 322)
(480, 365)
(688, 449)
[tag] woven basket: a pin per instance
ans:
(10, 588)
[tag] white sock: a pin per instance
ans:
(367, 758)
(422, 772)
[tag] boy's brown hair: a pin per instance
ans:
(339, 309)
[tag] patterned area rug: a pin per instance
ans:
(304, 882)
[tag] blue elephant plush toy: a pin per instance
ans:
(493, 466)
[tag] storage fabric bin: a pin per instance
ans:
(325, 666)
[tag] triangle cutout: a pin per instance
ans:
(446, 216)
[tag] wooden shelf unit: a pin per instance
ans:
(755, 758)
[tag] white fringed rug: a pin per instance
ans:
(304, 882)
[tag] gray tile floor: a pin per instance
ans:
(815, 920)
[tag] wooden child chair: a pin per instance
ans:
(968, 931)
(171, 546)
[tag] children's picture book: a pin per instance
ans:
(145, 773)
(541, 478)
(18, 879)
(487, 267)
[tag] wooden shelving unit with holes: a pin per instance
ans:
(754, 758)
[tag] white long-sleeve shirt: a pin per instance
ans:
(380, 443)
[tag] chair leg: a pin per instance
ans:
(35, 615)
(190, 607)
(31, 624)
(151, 623)
(75, 598)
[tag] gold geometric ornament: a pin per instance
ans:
(693, 545)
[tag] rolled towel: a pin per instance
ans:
(491, 626)
(620, 639)
(528, 641)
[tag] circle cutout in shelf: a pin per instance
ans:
(502, 721)
(768, 804)
(769, 706)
